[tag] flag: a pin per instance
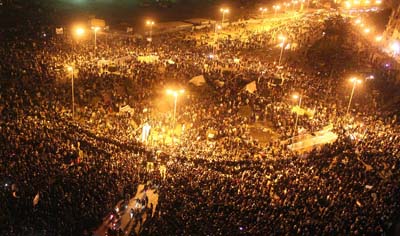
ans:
(59, 30)
(36, 199)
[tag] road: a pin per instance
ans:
(127, 223)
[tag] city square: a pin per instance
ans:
(192, 117)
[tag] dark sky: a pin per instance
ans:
(132, 12)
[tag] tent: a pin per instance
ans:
(251, 87)
(198, 80)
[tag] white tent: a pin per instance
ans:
(251, 87)
(198, 80)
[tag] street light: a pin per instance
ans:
(95, 29)
(150, 23)
(79, 31)
(283, 39)
(276, 8)
(355, 81)
(263, 9)
(71, 70)
(297, 97)
(175, 93)
(216, 28)
(224, 11)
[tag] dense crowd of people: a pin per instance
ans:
(62, 173)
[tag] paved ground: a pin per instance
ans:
(127, 223)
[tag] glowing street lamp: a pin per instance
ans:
(224, 11)
(378, 2)
(216, 28)
(263, 10)
(175, 93)
(367, 30)
(71, 70)
(283, 39)
(355, 81)
(378, 38)
(297, 97)
(150, 23)
(276, 8)
(79, 31)
(294, 3)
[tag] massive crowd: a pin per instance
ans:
(228, 184)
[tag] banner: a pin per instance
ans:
(59, 30)
(300, 111)
(147, 59)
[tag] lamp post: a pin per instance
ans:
(175, 93)
(263, 10)
(78, 32)
(224, 11)
(95, 29)
(297, 97)
(150, 24)
(71, 70)
(217, 27)
(276, 8)
(283, 39)
(355, 81)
